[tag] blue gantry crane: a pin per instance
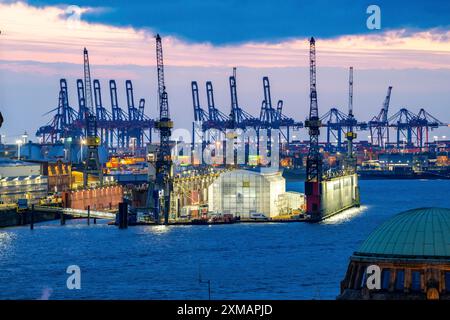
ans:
(379, 125)
(340, 125)
(117, 130)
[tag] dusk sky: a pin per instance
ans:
(41, 42)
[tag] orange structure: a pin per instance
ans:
(105, 198)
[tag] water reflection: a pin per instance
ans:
(346, 215)
(5, 242)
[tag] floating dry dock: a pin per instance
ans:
(332, 195)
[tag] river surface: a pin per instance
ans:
(242, 261)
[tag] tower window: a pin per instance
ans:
(400, 280)
(385, 278)
(447, 281)
(415, 281)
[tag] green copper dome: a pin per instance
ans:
(419, 234)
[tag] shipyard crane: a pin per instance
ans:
(92, 165)
(379, 125)
(351, 122)
(163, 165)
(314, 160)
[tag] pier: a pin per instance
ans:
(9, 216)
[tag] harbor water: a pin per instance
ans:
(242, 261)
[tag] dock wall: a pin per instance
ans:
(10, 218)
(339, 193)
(105, 198)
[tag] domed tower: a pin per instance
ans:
(406, 258)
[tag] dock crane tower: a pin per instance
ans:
(92, 165)
(314, 159)
(163, 164)
(351, 135)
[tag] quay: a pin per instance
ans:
(10, 216)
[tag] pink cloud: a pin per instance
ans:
(46, 35)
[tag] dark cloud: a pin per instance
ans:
(234, 21)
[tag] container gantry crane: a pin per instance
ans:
(103, 116)
(379, 125)
(425, 123)
(216, 119)
(61, 126)
(341, 125)
(238, 117)
(200, 115)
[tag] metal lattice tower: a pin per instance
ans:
(313, 163)
(351, 163)
(164, 125)
(87, 83)
(92, 165)
(313, 190)
(350, 92)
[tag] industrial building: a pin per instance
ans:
(16, 168)
(412, 253)
(21, 180)
(32, 188)
(243, 192)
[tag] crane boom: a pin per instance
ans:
(350, 92)
(87, 83)
(210, 98)
(92, 165)
(162, 94)
(386, 104)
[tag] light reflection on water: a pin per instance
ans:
(346, 215)
(5, 242)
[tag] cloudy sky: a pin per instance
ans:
(42, 41)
